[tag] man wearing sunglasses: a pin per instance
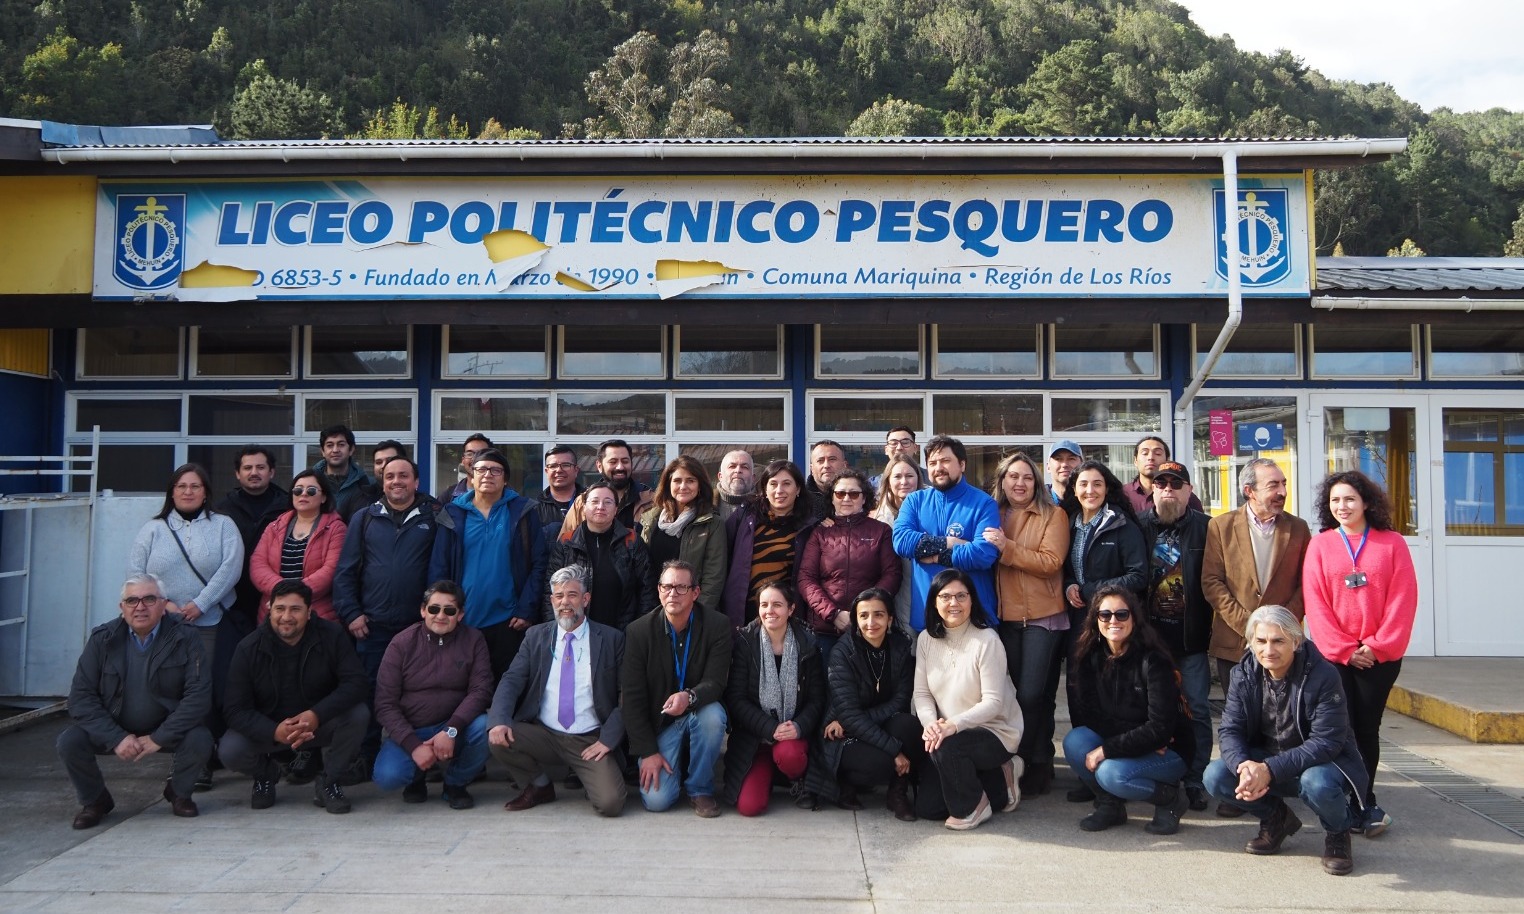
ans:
(1177, 607)
(431, 699)
(143, 684)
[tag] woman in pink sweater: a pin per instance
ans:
(303, 543)
(1361, 594)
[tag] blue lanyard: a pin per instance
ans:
(682, 667)
(1354, 554)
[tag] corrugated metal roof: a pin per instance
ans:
(1421, 274)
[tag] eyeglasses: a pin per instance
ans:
(149, 601)
(678, 589)
(554, 467)
(962, 597)
(1121, 615)
(1169, 482)
(848, 493)
(489, 472)
(449, 609)
(308, 491)
(901, 442)
(189, 487)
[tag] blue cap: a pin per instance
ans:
(1065, 445)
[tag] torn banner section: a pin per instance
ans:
(675, 277)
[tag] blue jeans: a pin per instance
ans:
(1322, 787)
(1195, 685)
(394, 766)
(705, 731)
(1127, 778)
(1031, 653)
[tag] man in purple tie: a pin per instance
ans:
(431, 699)
(558, 704)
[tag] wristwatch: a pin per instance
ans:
(451, 732)
(692, 697)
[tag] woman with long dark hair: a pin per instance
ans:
(971, 723)
(767, 539)
(1131, 740)
(1361, 594)
(683, 524)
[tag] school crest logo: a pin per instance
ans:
(1260, 226)
(150, 247)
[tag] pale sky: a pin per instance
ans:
(1467, 55)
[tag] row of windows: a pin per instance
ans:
(955, 352)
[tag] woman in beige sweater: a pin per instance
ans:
(1033, 539)
(967, 707)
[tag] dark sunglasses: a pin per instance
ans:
(450, 610)
(1168, 482)
(848, 493)
(308, 491)
(1121, 615)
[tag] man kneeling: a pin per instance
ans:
(295, 681)
(1285, 732)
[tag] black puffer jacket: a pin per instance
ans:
(631, 562)
(750, 726)
(1132, 703)
(860, 709)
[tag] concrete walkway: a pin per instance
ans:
(386, 856)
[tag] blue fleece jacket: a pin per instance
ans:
(964, 512)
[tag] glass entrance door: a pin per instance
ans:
(1386, 437)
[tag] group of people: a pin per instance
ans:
(824, 632)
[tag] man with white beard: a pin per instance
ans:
(735, 484)
(558, 704)
(1177, 608)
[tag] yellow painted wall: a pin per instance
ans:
(24, 351)
(47, 235)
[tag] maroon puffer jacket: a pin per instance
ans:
(841, 561)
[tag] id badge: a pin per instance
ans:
(1354, 579)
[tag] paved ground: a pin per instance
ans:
(388, 857)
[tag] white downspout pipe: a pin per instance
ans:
(1183, 425)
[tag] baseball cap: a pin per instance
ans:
(1065, 445)
(1171, 468)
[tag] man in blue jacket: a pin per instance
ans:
(491, 541)
(1285, 732)
(943, 526)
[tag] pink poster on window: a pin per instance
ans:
(1220, 433)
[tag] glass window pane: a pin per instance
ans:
(855, 350)
(611, 414)
(1476, 352)
(361, 414)
(1382, 443)
(135, 415)
(1256, 350)
(987, 414)
(729, 414)
(489, 414)
(1513, 489)
(257, 352)
(221, 460)
(1132, 414)
(983, 458)
(127, 467)
(1215, 478)
(1471, 494)
(130, 352)
(248, 415)
(525, 469)
(1366, 351)
(729, 350)
(378, 352)
(496, 352)
(971, 351)
(612, 352)
(1105, 350)
(868, 414)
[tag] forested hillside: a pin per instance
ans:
(308, 68)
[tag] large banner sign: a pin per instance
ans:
(743, 237)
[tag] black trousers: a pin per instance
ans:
(503, 642)
(1366, 691)
(964, 767)
(865, 765)
(77, 750)
(339, 738)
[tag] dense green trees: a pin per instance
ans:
(517, 68)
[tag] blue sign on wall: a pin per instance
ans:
(1262, 436)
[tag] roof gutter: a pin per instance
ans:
(1230, 236)
(529, 151)
(1366, 303)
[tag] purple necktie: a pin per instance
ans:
(567, 714)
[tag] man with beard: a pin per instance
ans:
(1064, 458)
(735, 484)
(1146, 458)
(942, 527)
(827, 461)
(491, 542)
(1253, 558)
(559, 703)
(1177, 608)
(618, 466)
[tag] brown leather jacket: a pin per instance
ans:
(1030, 574)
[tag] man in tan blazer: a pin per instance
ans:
(1253, 559)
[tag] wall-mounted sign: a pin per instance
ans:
(1261, 436)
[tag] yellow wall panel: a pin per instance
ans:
(24, 351)
(47, 235)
